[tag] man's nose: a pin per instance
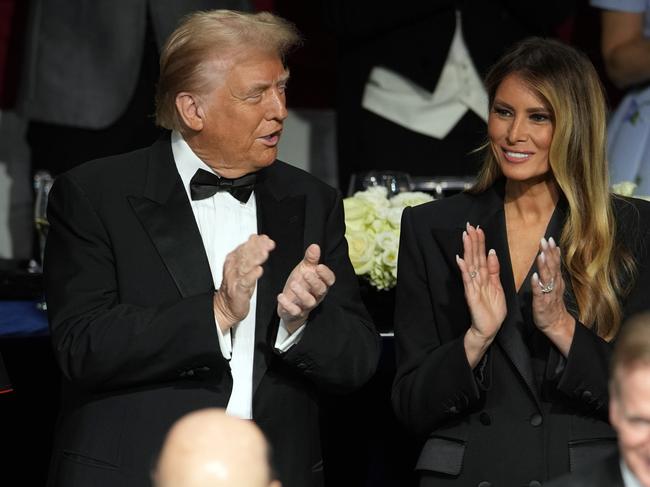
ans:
(277, 109)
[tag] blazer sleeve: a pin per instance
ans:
(585, 376)
(101, 342)
(434, 381)
(339, 349)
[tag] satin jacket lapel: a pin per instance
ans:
(491, 217)
(282, 217)
(165, 212)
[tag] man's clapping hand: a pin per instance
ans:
(241, 270)
(305, 289)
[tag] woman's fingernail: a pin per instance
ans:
(492, 252)
(552, 242)
(544, 243)
(542, 256)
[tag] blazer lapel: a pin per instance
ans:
(491, 217)
(282, 217)
(166, 215)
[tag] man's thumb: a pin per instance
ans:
(312, 254)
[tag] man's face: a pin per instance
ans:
(243, 115)
(629, 413)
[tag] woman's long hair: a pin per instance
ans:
(569, 85)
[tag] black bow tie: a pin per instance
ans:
(205, 184)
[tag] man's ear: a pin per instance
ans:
(190, 111)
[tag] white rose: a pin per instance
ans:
(377, 196)
(387, 240)
(361, 250)
(394, 216)
(624, 188)
(358, 213)
(410, 198)
(389, 258)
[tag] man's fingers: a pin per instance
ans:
(305, 299)
(326, 275)
(312, 255)
(291, 308)
(248, 280)
(317, 286)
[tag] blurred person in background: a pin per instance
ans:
(625, 46)
(629, 414)
(208, 448)
(90, 71)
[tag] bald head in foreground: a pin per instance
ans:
(208, 448)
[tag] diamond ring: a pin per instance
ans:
(547, 288)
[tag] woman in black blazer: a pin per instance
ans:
(509, 295)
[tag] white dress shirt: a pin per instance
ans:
(629, 479)
(224, 223)
(402, 101)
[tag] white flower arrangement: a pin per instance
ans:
(372, 222)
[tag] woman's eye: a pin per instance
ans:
(540, 117)
(502, 112)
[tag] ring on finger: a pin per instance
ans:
(472, 274)
(547, 288)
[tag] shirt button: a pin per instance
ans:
(536, 419)
(484, 483)
(302, 365)
(586, 395)
(534, 483)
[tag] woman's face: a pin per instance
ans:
(520, 128)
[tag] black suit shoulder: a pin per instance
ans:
(448, 212)
(296, 180)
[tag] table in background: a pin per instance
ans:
(29, 412)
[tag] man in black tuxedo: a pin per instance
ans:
(629, 414)
(201, 271)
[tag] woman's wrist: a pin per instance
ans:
(476, 344)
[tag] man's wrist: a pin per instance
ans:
(224, 320)
(292, 326)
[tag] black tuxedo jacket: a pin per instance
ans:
(129, 295)
(518, 416)
(605, 473)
